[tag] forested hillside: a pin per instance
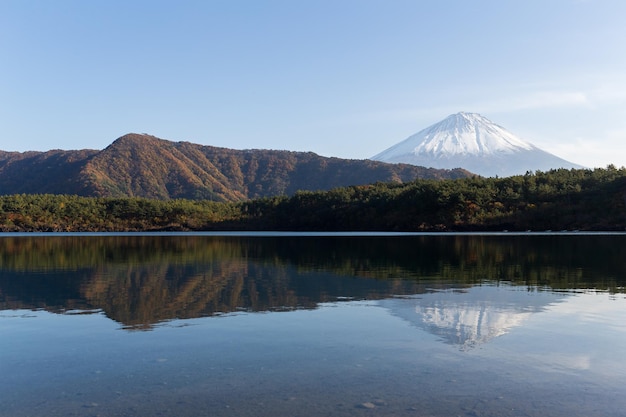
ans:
(145, 166)
(555, 200)
(54, 172)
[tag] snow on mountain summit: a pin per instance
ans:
(473, 142)
(469, 133)
(461, 133)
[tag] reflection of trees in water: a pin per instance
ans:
(137, 295)
(139, 280)
(140, 295)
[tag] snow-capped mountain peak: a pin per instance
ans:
(473, 142)
(459, 134)
(468, 133)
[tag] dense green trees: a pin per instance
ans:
(47, 212)
(558, 199)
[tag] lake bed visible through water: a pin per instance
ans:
(310, 325)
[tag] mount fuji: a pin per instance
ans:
(473, 142)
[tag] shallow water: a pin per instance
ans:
(316, 325)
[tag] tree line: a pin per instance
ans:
(577, 199)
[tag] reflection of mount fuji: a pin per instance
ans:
(471, 316)
(142, 280)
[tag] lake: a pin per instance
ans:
(311, 324)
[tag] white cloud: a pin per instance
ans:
(507, 104)
(536, 100)
(574, 91)
(594, 152)
(608, 94)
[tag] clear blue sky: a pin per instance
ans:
(345, 78)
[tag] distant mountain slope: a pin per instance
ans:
(473, 142)
(145, 166)
(53, 172)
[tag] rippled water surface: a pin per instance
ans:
(286, 325)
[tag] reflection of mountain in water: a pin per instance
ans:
(139, 296)
(471, 316)
(139, 280)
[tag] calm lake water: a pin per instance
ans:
(288, 325)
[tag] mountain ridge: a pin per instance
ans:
(142, 165)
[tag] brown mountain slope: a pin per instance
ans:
(52, 172)
(146, 166)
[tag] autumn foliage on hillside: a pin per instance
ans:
(148, 167)
(555, 200)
